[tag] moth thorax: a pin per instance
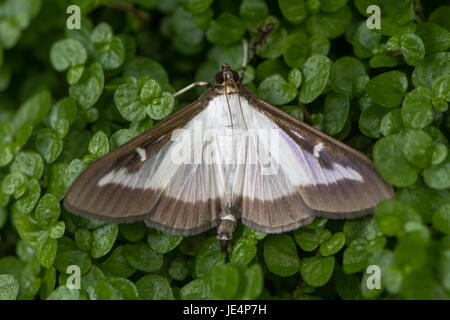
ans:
(225, 230)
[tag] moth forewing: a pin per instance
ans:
(250, 160)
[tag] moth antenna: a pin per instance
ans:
(229, 108)
(244, 60)
(240, 105)
(191, 86)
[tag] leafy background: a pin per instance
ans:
(68, 97)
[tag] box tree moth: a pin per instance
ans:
(226, 156)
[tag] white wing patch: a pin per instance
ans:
(317, 148)
(142, 154)
(259, 161)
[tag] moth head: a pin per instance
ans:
(226, 75)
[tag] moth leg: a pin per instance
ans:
(244, 60)
(191, 86)
(226, 228)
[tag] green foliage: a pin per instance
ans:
(68, 97)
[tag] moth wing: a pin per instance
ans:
(138, 181)
(316, 176)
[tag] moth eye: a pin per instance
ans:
(235, 76)
(219, 77)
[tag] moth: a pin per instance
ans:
(228, 155)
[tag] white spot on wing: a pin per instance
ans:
(317, 148)
(106, 179)
(142, 154)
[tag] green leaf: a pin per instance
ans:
(391, 216)
(104, 238)
(307, 239)
(48, 145)
(102, 33)
(412, 48)
(133, 232)
(344, 75)
(30, 163)
(48, 283)
(355, 257)
(272, 45)
(441, 219)
(244, 250)
(253, 12)
(388, 89)
(33, 110)
(226, 30)
(222, 282)
(46, 251)
(27, 203)
(74, 74)
(333, 245)
(127, 101)
(111, 55)
(178, 269)
(438, 177)
(316, 71)
(117, 264)
(68, 255)
(294, 11)
(162, 242)
(154, 287)
(316, 271)
(430, 69)
(67, 53)
(276, 90)
(89, 88)
(9, 287)
(281, 256)
(332, 5)
(47, 211)
(295, 78)
(122, 136)
(208, 256)
(417, 148)
(337, 107)
(83, 238)
(417, 111)
(391, 162)
(391, 122)
(99, 145)
(434, 37)
(370, 120)
(251, 283)
(194, 290)
(142, 66)
(161, 107)
(439, 154)
(365, 41)
(140, 256)
(15, 184)
(332, 24)
(150, 91)
(56, 230)
(125, 287)
(64, 293)
(196, 6)
(103, 290)
(6, 154)
(66, 108)
(296, 50)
